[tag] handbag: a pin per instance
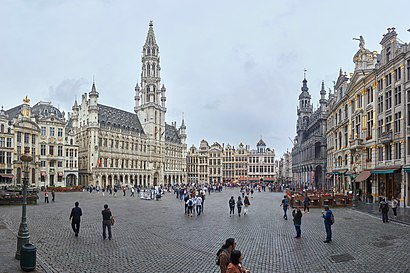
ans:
(112, 220)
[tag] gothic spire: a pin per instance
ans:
(150, 41)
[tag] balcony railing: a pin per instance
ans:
(386, 137)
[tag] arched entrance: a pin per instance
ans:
(318, 177)
(71, 180)
(156, 179)
(110, 180)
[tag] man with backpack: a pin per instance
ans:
(284, 205)
(328, 217)
(190, 204)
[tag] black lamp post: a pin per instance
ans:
(23, 235)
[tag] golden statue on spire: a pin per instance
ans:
(26, 100)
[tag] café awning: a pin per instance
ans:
(363, 176)
(385, 170)
(342, 171)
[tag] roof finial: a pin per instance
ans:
(304, 73)
(151, 23)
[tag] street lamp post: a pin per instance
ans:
(23, 235)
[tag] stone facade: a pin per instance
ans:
(117, 147)
(309, 150)
(40, 132)
(218, 163)
(368, 123)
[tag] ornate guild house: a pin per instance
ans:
(117, 147)
(309, 150)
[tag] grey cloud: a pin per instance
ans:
(66, 91)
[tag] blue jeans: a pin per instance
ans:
(328, 228)
(285, 209)
(298, 231)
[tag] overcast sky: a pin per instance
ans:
(234, 68)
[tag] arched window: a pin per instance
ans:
(148, 70)
(2, 128)
(153, 70)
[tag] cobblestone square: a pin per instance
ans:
(156, 236)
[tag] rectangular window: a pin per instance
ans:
(397, 95)
(52, 133)
(59, 163)
(60, 151)
(397, 150)
(369, 95)
(51, 163)
(388, 79)
(60, 132)
(8, 144)
(18, 152)
(2, 142)
(2, 157)
(408, 70)
(380, 152)
(18, 137)
(26, 138)
(388, 151)
(43, 131)
(33, 152)
(8, 157)
(380, 104)
(42, 163)
(51, 150)
(379, 127)
(388, 100)
(369, 124)
(380, 85)
(388, 123)
(33, 139)
(368, 154)
(397, 118)
(43, 149)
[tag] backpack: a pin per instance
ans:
(332, 219)
(190, 202)
(217, 261)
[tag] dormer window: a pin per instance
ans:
(388, 54)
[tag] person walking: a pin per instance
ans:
(306, 203)
(327, 216)
(186, 198)
(198, 204)
(384, 208)
(394, 205)
(247, 204)
(53, 195)
(239, 205)
(297, 221)
(132, 192)
(190, 204)
(75, 218)
(224, 254)
(106, 223)
(46, 197)
(231, 206)
(285, 205)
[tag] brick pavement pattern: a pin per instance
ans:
(156, 236)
